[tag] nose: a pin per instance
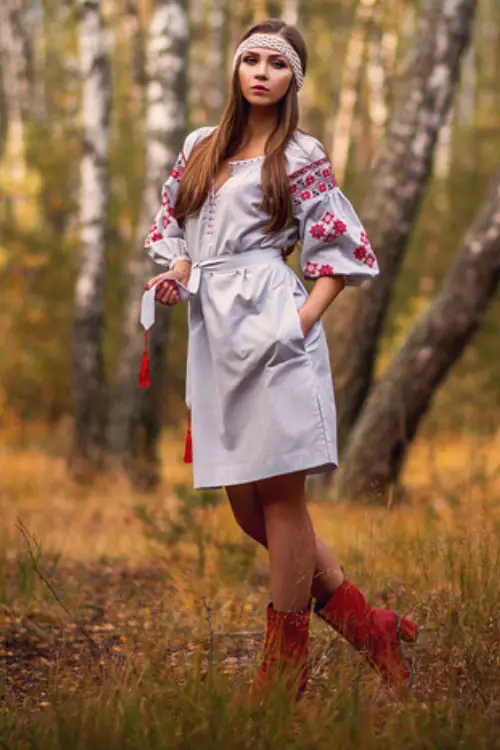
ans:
(261, 71)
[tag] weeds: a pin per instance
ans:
(174, 596)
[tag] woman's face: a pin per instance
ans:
(264, 75)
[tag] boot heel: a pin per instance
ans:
(408, 630)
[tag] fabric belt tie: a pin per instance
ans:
(218, 263)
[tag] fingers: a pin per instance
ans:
(166, 293)
(160, 277)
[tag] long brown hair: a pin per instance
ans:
(208, 155)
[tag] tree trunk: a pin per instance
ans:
(350, 84)
(88, 321)
(394, 196)
(260, 11)
(15, 59)
(136, 415)
(290, 13)
(377, 95)
(217, 84)
(402, 396)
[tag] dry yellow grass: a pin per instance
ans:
(436, 558)
(85, 523)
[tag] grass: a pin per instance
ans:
(158, 606)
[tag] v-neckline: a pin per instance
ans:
(231, 162)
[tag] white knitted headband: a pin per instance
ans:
(271, 41)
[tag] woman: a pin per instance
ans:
(258, 384)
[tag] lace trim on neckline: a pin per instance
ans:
(247, 161)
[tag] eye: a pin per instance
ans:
(276, 63)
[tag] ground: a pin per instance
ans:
(114, 606)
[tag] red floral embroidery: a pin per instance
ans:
(317, 231)
(364, 251)
(178, 169)
(310, 181)
(328, 228)
(311, 270)
(326, 270)
(365, 240)
(153, 232)
(168, 217)
(167, 211)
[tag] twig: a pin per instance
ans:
(27, 536)
(211, 632)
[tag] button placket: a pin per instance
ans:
(212, 210)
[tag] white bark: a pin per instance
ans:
(468, 89)
(217, 84)
(291, 12)
(377, 104)
(15, 78)
(350, 86)
(94, 193)
(424, 96)
(442, 159)
(166, 58)
(133, 38)
(403, 394)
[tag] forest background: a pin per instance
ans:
(92, 562)
(41, 150)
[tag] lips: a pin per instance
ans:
(259, 88)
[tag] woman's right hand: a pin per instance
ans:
(166, 290)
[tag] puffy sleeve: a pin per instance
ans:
(165, 242)
(333, 240)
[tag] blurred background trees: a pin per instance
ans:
(77, 194)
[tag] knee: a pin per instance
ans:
(247, 511)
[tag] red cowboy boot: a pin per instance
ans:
(376, 632)
(285, 652)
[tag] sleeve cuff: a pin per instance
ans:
(167, 252)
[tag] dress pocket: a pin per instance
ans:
(294, 299)
(298, 295)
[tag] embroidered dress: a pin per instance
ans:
(260, 393)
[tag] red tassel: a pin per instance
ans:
(188, 448)
(144, 379)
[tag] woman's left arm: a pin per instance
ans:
(322, 295)
(335, 250)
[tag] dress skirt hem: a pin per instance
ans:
(234, 474)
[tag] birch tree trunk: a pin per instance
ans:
(291, 12)
(377, 104)
(442, 159)
(136, 414)
(400, 399)
(394, 195)
(260, 10)
(217, 84)
(342, 132)
(468, 90)
(15, 59)
(88, 321)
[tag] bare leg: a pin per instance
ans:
(290, 540)
(249, 515)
